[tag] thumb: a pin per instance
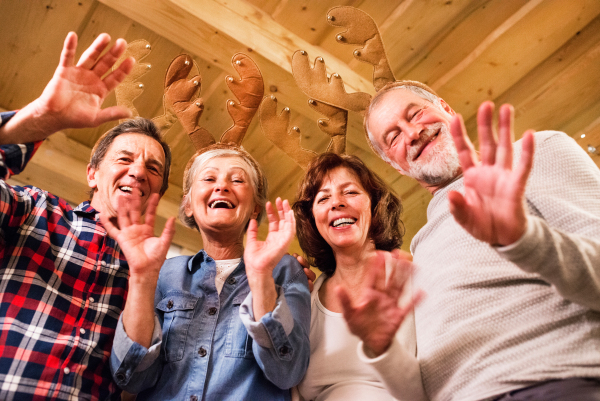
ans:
(345, 300)
(111, 114)
(458, 207)
(252, 231)
(168, 233)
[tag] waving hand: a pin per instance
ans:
(492, 208)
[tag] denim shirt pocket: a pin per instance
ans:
(177, 309)
(238, 343)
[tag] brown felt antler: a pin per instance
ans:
(249, 90)
(275, 128)
(362, 30)
(129, 89)
(316, 85)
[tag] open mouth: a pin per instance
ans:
(220, 204)
(129, 190)
(343, 222)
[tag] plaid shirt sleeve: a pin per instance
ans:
(14, 158)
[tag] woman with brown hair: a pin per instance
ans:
(348, 224)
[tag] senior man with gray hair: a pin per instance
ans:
(509, 258)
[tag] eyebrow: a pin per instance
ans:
(151, 160)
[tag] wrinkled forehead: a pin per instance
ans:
(225, 163)
(136, 144)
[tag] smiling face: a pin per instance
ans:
(414, 135)
(221, 197)
(133, 167)
(342, 211)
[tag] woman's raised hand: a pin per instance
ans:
(374, 315)
(261, 257)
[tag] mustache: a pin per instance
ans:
(425, 137)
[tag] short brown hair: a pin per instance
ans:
(138, 125)
(386, 229)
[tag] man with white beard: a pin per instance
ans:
(509, 258)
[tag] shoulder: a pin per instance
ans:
(289, 271)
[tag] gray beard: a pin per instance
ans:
(442, 163)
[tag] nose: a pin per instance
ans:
(337, 202)
(412, 131)
(221, 185)
(138, 171)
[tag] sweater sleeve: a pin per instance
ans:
(562, 240)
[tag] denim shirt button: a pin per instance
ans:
(212, 311)
(284, 350)
(202, 352)
(170, 304)
(193, 398)
(120, 376)
(231, 280)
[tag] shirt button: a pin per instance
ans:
(92, 300)
(82, 330)
(120, 376)
(284, 350)
(231, 280)
(194, 398)
(67, 371)
(170, 304)
(212, 311)
(202, 352)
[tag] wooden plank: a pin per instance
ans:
(32, 34)
(538, 35)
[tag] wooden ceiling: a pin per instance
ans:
(543, 56)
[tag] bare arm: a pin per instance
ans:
(74, 96)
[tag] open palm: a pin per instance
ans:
(492, 208)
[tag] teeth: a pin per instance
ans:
(343, 222)
(223, 202)
(126, 189)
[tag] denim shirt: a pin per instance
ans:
(210, 347)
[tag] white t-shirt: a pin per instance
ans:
(224, 269)
(335, 372)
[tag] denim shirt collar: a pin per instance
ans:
(196, 262)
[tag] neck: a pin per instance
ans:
(223, 246)
(351, 265)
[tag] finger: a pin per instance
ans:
(111, 114)
(167, 234)
(394, 286)
(252, 231)
(290, 218)
(485, 130)
(345, 301)
(135, 210)
(458, 207)
(376, 275)
(111, 229)
(505, 137)
(123, 213)
(303, 262)
(523, 169)
(151, 209)
(117, 76)
(280, 211)
(272, 217)
(415, 300)
(108, 59)
(464, 147)
(91, 54)
(311, 275)
(67, 56)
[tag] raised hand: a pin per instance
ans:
(374, 315)
(144, 252)
(74, 96)
(492, 208)
(261, 257)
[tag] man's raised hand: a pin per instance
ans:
(492, 208)
(73, 98)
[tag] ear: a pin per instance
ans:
(91, 177)
(446, 107)
(255, 212)
(187, 207)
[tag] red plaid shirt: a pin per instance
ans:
(63, 284)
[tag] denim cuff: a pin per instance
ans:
(273, 328)
(133, 357)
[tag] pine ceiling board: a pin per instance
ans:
(419, 27)
(462, 39)
(306, 18)
(532, 39)
(268, 6)
(554, 106)
(33, 33)
(592, 137)
(578, 125)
